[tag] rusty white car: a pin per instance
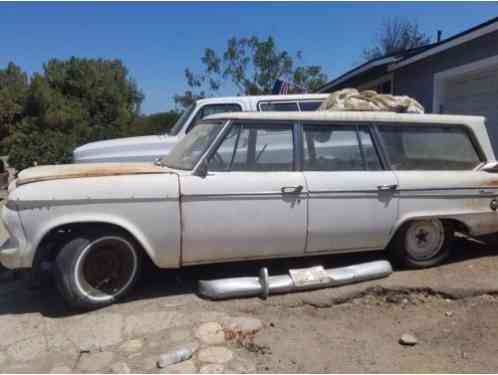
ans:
(243, 186)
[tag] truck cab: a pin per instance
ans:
(151, 147)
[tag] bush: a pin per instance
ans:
(30, 145)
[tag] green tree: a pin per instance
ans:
(13, 93)
(156, 123)
(73, 102)
(396, 35)
(252, 65)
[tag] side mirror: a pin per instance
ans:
(202, 171)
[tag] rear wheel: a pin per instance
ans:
(422, 243)
(95, 270)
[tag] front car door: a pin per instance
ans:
(251, 203)
(352, 204)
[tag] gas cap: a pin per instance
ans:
(493, 205)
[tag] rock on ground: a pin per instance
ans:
(210, 333)
(132, 346)
(215, 354)
(408, 339)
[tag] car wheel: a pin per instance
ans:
(422, 243)
(96, 270)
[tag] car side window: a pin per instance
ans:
(255, 147)
(212, 109)
(429, 147)
(278, 106)
(338, 148)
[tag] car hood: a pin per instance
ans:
(144, 148)
(58, 172)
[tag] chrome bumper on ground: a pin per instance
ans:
(296, 280)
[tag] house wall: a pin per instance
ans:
(417, 79)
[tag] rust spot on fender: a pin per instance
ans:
(58, 172)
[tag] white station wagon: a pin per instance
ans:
(244, 186)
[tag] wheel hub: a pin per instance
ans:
(424, 239)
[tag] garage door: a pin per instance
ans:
(475, 93)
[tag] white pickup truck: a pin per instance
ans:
(149, 148)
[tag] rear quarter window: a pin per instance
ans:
(427, 147)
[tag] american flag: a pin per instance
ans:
(280, 88)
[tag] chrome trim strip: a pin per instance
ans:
(27, 204)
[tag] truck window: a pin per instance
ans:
(278, 106)
(428, 147)
(212, 109)
(309, 106)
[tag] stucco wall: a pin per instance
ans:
(416, 80)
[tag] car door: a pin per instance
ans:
(251, 203)
(351, 202)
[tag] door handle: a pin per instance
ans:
(291, 189)
(387, 187)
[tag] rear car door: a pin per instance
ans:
(352, 203)
(251, 203)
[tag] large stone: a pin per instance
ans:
(95, 362)
(120, 368)
(132, 346)
(185, 367)
(215, 354)
(212, 368)
(241, 327)
(95, 331)
(408, 339)
(28, 349)
(210, 333)
(150, 322)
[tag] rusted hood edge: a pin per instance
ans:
(59, 172)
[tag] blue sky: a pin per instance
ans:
(157, 41)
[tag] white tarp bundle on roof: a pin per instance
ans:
(369, 100)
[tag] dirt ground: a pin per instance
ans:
(451, 310)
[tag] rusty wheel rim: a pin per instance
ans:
(106, 268)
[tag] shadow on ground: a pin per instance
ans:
(16, 298)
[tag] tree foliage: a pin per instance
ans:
(13, 93)
(156, 123)
(252, 65)
(396, 35)
(71, 102)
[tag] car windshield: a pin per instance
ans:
(189, 150)
(181, 121)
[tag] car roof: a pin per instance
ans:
(262, 98)
(349, 116)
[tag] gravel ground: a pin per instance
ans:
(450, 311)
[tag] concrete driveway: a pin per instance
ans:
(451, 311)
